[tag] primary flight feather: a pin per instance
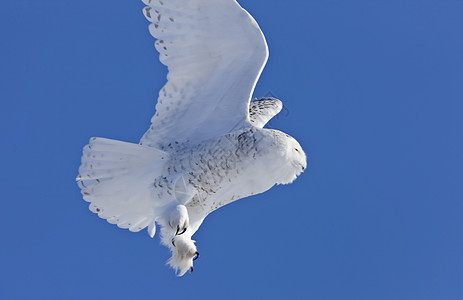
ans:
(206, 145)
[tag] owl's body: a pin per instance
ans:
(229, 167)
(206, 146)
(201, 177)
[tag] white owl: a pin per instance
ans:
(206, 146)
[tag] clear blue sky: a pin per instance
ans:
(373, 91)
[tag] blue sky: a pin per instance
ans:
(373, 92)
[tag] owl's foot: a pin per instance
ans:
(183, 254)
(178, 219)
(196, 253)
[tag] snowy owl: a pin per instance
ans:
(206, 146)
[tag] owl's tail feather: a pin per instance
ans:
(115, 177)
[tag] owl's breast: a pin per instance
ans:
(225, 169)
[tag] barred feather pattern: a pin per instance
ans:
(263, 109)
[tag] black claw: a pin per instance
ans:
(173, 242)
(178, 228)
(179, 233)
(196, 256)
(191, 270)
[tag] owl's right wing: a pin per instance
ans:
(263, 109)
(215, 53)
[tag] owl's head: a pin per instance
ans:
(291, 160)
(296, 158)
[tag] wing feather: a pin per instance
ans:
(215, 52)
(263, 109)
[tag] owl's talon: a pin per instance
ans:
(178, 219)
(173, 242)
(191, 270)
(196, 256)
(180, 233)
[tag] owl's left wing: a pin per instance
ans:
(215, 52)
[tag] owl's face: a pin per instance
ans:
(297, 155)
(288, 159)
(296, 160)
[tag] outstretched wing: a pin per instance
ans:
(263, 109)
(215, 52)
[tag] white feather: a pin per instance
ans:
(215, 52)
(114, 177)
